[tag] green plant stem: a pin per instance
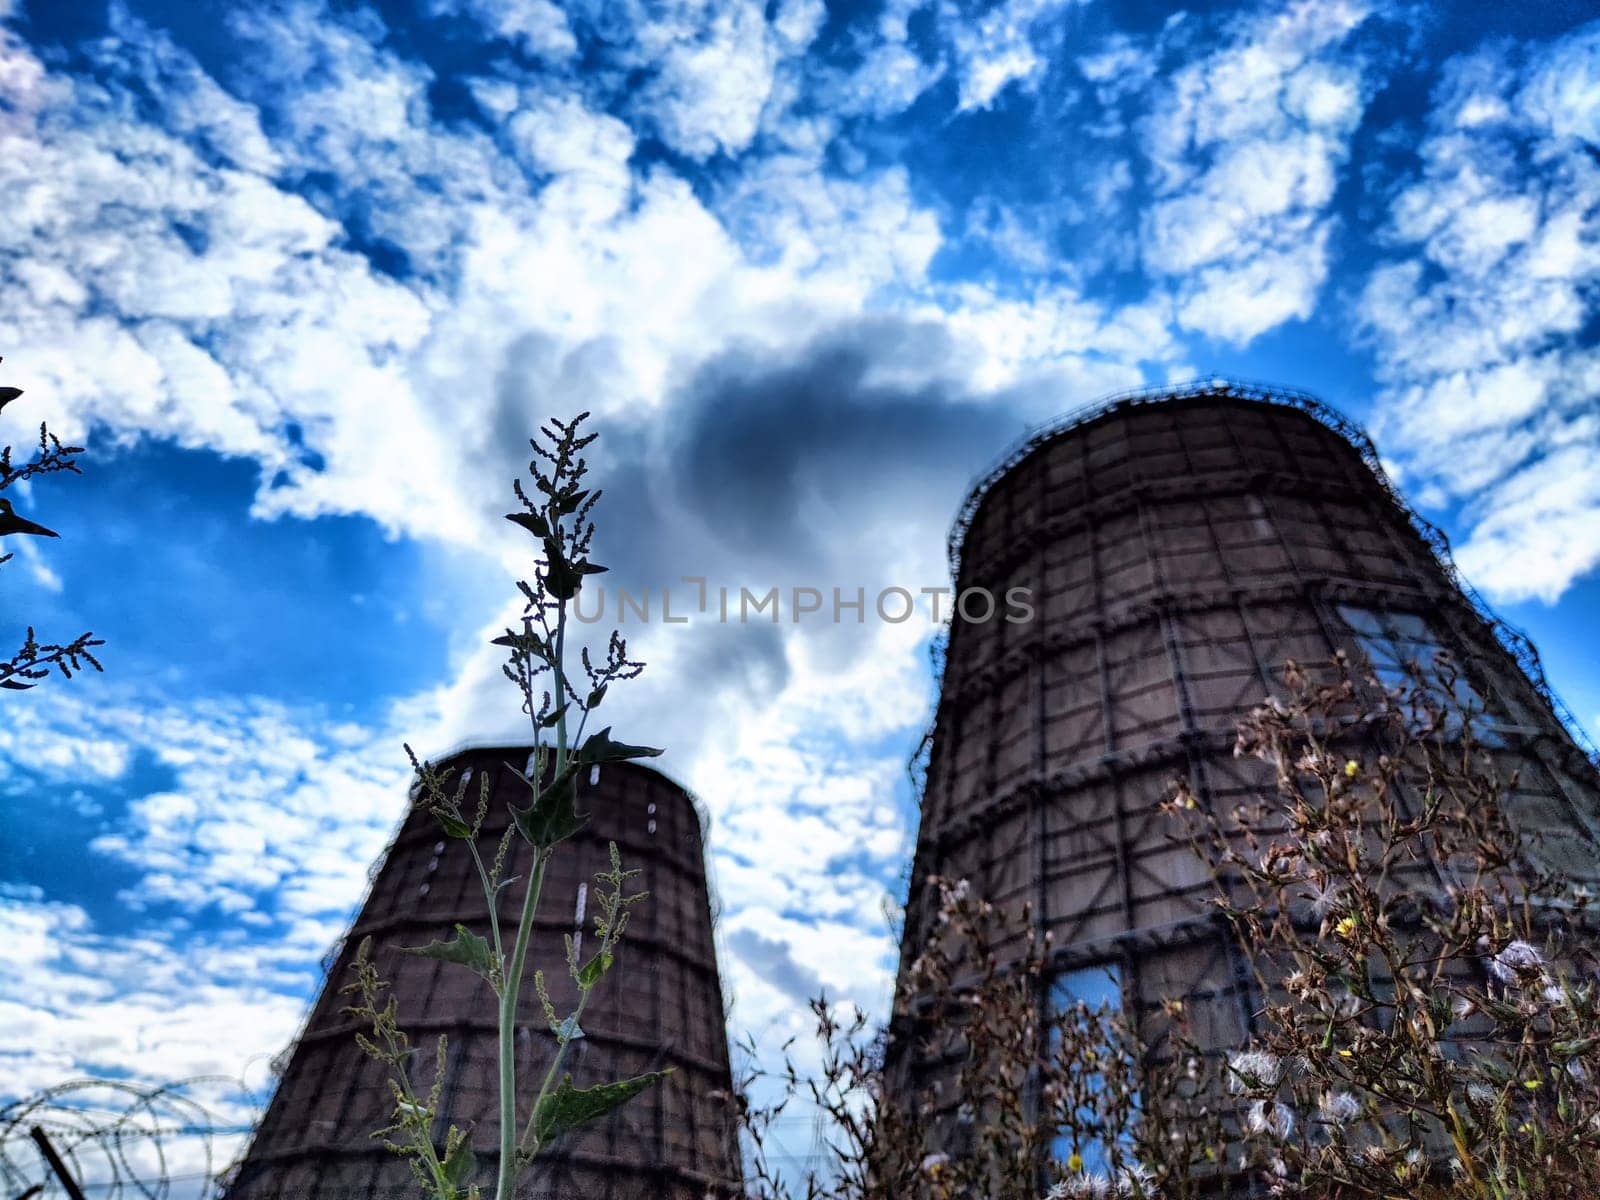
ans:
(492, 896)
(506, 1182)
(529, 1144)
(423, 1142)
(560, 685)
(555, 660)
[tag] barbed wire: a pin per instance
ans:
(120, 1139)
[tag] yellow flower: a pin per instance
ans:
(1347, 1054)
(1346, 927)
(1351, 766)
(1531, 1084)
(1075, 1163)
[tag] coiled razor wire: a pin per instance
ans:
(119, 1140)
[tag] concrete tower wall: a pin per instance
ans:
(662, 1006)
(1180, 547)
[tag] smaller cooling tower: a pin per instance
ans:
(661, 1007)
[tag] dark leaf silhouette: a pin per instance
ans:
(11, 523)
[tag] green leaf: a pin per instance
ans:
(599, 748)
(1495, 1072)
(553, 719)
(589, 974)
(588, 568)
(553, 816)
(453, 825)
(595, 696)
(461, 1166)
(568, 1107)
(1572, 1049)
(570, 502)
(466, 948)
(532, 522)
(8, 394)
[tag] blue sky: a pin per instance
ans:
(304, 277)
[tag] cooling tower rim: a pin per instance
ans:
(1208, 387)
(1220, 387)
(702, 814)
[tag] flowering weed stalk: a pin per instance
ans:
(1066, 1105)
(1427, 1013)
(1430, 1025)
(559, 705)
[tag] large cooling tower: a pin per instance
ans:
(661, 1007)
(1180, 547)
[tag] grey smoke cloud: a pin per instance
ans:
(834, 463)
(775, 457)
(773, 961)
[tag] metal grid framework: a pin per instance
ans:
(662, 1006)
(1513, 639)
(1180, 546)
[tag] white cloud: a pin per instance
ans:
(586, 152)
(886, 74)
(797, 23)
(168, 296)
(847, 236)
(1246, 146)
(1022, 239)
(1120, 65)
(1489, 391)
(261, 842)
(998, 48)
(139, 1010)
(72, 751)
(1544, 527)
(1240, 299)
(1060, 347)
(714, 82)
(712, 69)
(39, 570)
(1562, 94)
(889, 79)
(263, 811)
(264, 316)
(805, 832)
(538, 26)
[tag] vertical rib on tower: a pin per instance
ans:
(661, 1006)
(1180, 546)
